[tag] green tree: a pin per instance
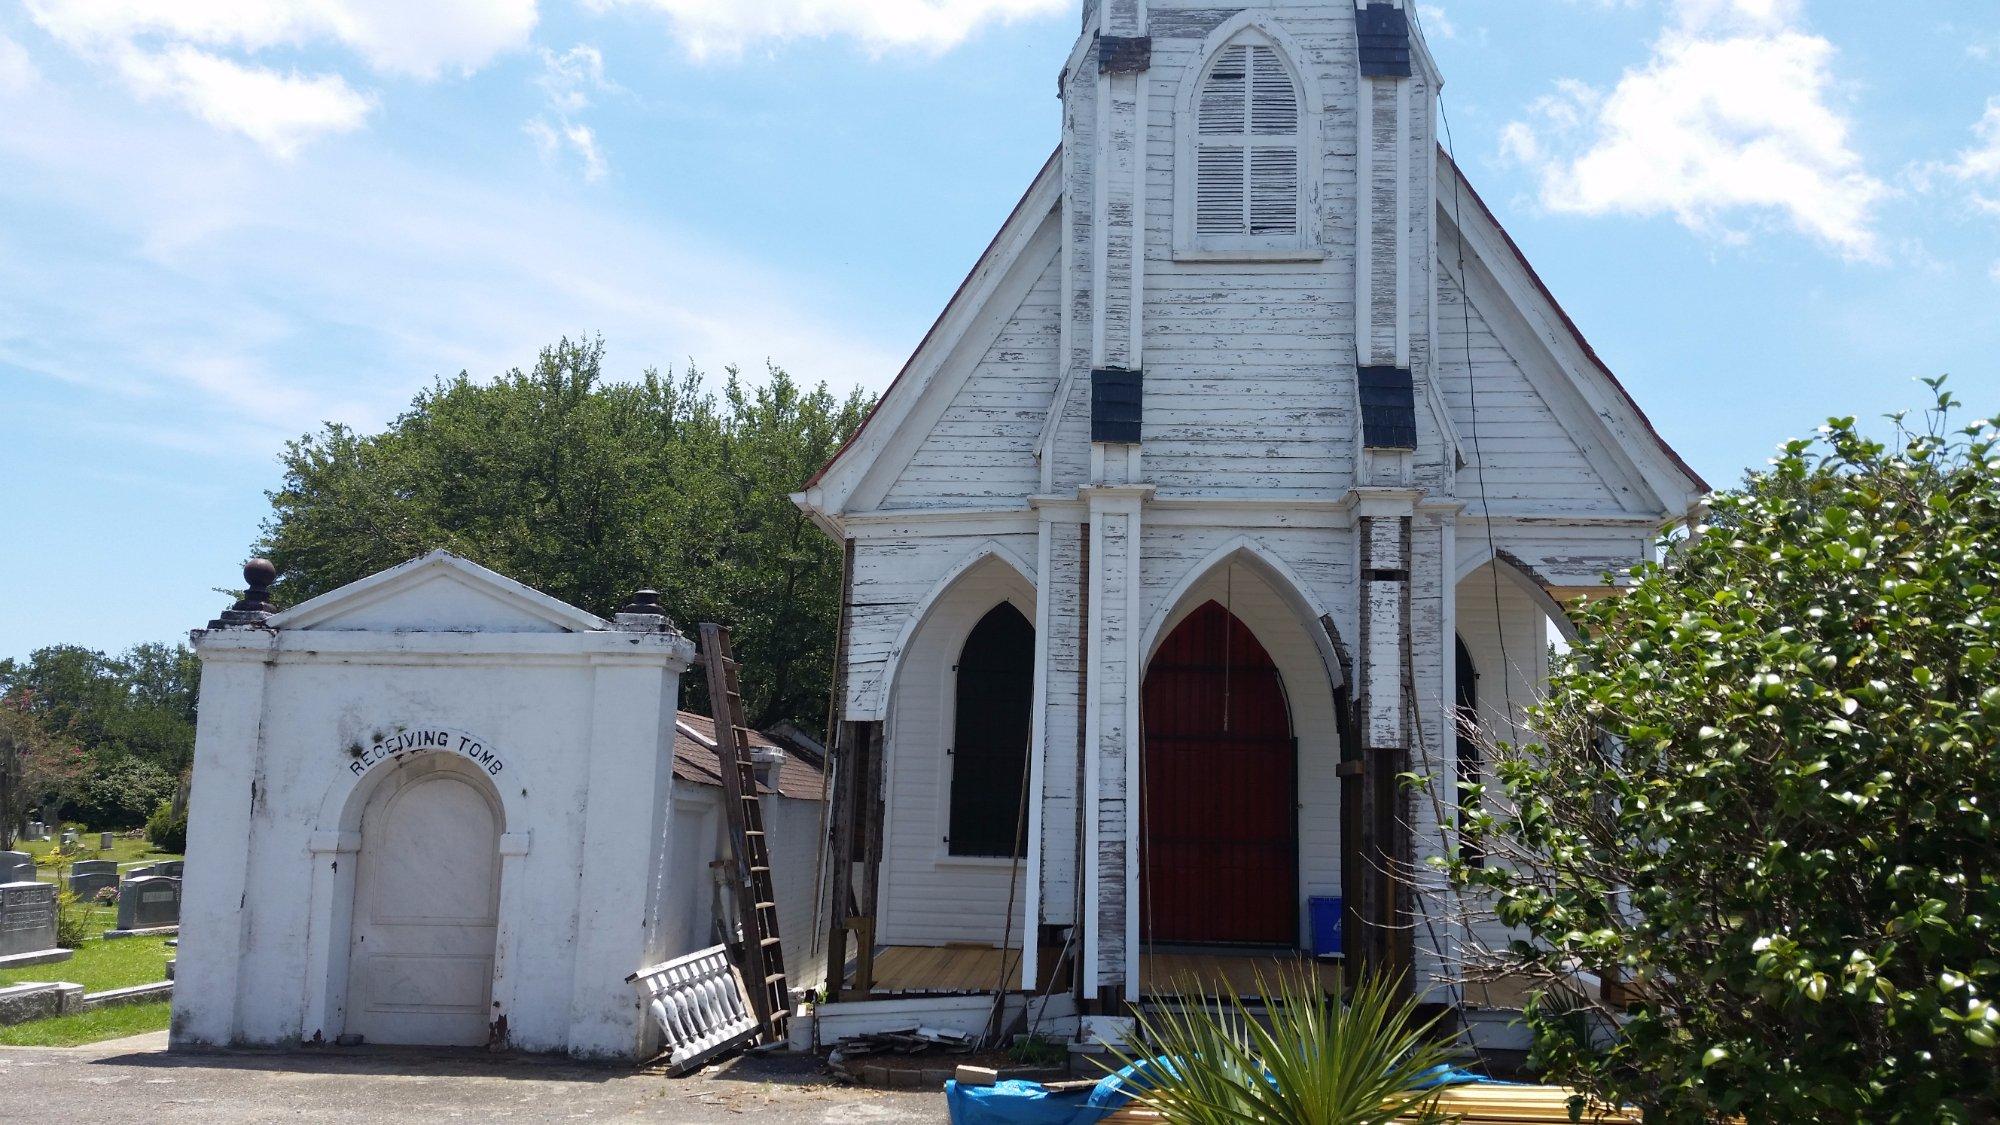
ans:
(589, 489)
(1765, 800)
(98, 717)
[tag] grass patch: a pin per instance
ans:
(123, 850)
(93, 1026)
(100, 964)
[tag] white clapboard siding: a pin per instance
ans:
(1531, 459)
(982, 449)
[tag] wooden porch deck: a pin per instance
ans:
(948, 969)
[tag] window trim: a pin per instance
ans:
(1256, 28)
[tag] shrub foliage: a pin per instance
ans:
(1765, 800)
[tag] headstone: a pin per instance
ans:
(69, 837)
(36, 830)
(171, 868)
(143, 871)
(28, 923)
(88, 877)
(17, 867)
(148, 902)
(104, 841)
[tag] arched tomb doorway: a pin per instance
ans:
(426, 907)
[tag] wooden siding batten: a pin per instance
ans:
(1031, 908)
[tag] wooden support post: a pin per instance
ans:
(864, 957)
(838, 903)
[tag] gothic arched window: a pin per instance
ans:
(1248, 142)
(989, 748)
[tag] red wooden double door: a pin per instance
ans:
(1219, 808)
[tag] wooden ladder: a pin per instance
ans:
(762, 954)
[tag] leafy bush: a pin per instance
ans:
(1307, 1061)
(167, 832)
(74, 921)
(121, 794)
(1787, 847)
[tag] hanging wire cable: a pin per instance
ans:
(1472, 392)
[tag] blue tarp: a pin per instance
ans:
(1015, 1102)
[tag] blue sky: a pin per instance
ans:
(222, 221)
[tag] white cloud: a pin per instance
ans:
(216, 304)
(278, 111)
(1435, 22)
(190, 51)
(1732, 119)
(1975, 170)
(421, 40)
(1982, 160)
(17, 70)
(726, 27)
(554, 139)
(570, 81)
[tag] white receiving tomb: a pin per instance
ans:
(430, 807)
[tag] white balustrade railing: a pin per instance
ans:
(699, 1003)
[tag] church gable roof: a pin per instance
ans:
(1624, 428)
(899, 412)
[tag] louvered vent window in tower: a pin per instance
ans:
(1247, 149)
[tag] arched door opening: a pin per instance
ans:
(426, 910)
(1471, 768)
(1219, 823)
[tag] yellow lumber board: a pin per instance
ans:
(1473, 1105)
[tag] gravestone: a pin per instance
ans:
(17, 867)
(149, 902)
(143, 871)
(104, 841)
(28, 925)
(171, 868)
(69, 837)
(87, 877)
(37, 830)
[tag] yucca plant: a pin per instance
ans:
(1307, 1060)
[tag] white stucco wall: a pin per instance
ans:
(570, 723)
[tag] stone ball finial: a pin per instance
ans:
(258, 574)
(255, 604)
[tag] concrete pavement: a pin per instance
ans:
(138, 1081)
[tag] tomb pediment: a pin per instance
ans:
(438, 593)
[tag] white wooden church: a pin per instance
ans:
(1250, 454)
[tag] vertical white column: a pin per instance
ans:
(1111, 741)
(228, 759)
(630, 731)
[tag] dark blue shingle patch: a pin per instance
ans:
(1388, 408)
(1124, 54)
(1117, 405)
(1384, 33)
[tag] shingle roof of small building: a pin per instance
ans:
(694, 760)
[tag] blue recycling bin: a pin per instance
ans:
(1326, 918)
